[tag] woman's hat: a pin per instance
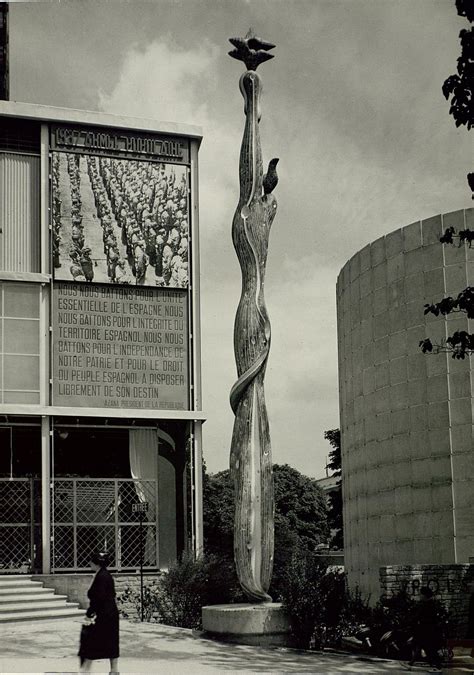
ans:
(101, 558)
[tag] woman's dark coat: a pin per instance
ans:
(101, 640)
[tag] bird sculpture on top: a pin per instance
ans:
(251, 49)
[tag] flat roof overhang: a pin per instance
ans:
(46, 113)
(137, 413)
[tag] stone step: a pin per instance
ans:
(46, 614)
(19, 583)
(24, 590)
(23, 598)
(37, 606)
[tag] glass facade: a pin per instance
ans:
(20, 229)
(19, 342)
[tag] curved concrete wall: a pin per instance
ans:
(406, 417)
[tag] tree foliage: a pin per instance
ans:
(218, 513)
(461, 343)
(460, 85)
(335, 458)
(459, 88)
(462, 236)
(335, 520)
(334, 464)
(463, 303)
(301, 520)
(465, 8)
(313, 598)
(299, 508)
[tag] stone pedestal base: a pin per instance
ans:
(259, 624)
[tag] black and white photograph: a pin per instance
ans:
(236, 336)
(119, 221)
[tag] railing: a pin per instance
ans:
(87, 514)
(20, 525)
(96, 514)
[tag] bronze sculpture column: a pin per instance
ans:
(250, 456)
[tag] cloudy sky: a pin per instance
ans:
(353, 108)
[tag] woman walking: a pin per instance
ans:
(100, 631)
(427, 633)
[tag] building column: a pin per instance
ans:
(46, 494)
(197, 490)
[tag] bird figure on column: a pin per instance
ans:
(270, 179)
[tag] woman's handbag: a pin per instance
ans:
(89, 620)
(87, 631)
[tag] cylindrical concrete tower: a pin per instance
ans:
(406, 417)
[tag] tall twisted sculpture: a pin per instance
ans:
(250, 457)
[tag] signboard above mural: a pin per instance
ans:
(119, 347)
(119, 143)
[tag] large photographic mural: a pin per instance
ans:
(119, 221)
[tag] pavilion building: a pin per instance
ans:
(406, 417)
(100, 369)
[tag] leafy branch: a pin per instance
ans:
(460, 86)
(335, 459)
(463, 236)
(461, 343)
(463, 303)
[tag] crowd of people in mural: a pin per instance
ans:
(82, 265)
(142, 211)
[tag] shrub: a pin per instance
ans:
(313, 598)
(399, 612)
(394, 612)
(181, 592)
(356, 613)
(344, 611)
(320, 607)
(191, 584)
(150, 607)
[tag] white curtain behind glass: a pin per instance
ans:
(143, 451)
(143, 448)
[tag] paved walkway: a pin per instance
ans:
(50, 647)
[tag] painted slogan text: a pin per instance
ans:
(120, 347)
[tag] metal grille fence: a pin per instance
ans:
(20, 525)
(96, 514)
